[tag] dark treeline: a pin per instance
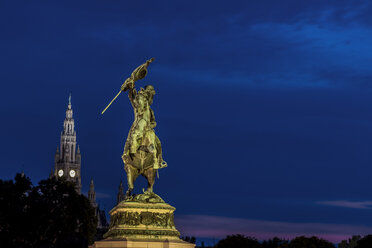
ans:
(241, 241)
(51, 214)
(191, 239)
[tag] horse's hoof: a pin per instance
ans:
(128, 194)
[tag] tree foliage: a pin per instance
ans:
(238, 241)
(313, 242)
(365, 242)
(350, 243)
(51, 214)
(274, 243)
(189, 239)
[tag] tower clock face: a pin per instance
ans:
(60, 173)
(72, 173)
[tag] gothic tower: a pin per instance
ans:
(92, 194)
(100, 214)
(120, 196)
(67, 159)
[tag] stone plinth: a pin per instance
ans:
(143, 221)
(142, 244)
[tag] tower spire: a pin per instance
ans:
(92, 194)
(67, 159)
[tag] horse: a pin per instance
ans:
(145, 161)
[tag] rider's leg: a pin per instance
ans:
(136, 136)
(151, 143)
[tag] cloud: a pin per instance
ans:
(329, 54)
(348, 204)
(327, 39)
(302, 54)
(219, 227)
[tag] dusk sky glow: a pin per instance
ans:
(263, 108)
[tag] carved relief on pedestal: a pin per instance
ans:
(132, 219)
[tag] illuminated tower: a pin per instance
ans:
(67, 159)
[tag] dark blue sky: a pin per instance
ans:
(264, 108)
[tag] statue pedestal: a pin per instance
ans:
(141, 244)
(144, 221)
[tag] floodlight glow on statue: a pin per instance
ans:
(142, 151)
(144, 219)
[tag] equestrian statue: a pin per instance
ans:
(142, 150)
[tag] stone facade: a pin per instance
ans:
(67, 159)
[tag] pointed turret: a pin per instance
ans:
(56, 155)
(69, 108)
(51, 174)
(92, 194)
(120, 196)
(78, 155)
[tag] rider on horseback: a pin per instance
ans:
(142, 151)
(142, 135)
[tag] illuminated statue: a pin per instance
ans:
(142, 151)
(143, 219)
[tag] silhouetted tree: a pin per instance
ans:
(14, 212)
(189, 239)
(313, 242)
(274, 243)
(202, 245)
(238, 241)
(343, 244)
(51, 214)
(350, 243)
(365, 242)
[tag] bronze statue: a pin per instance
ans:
(142, 151)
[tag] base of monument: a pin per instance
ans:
(142, 221)
(142, 244)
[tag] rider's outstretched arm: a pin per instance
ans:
(132, 93)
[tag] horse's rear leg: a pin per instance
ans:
(150, 175)
(132, 174)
